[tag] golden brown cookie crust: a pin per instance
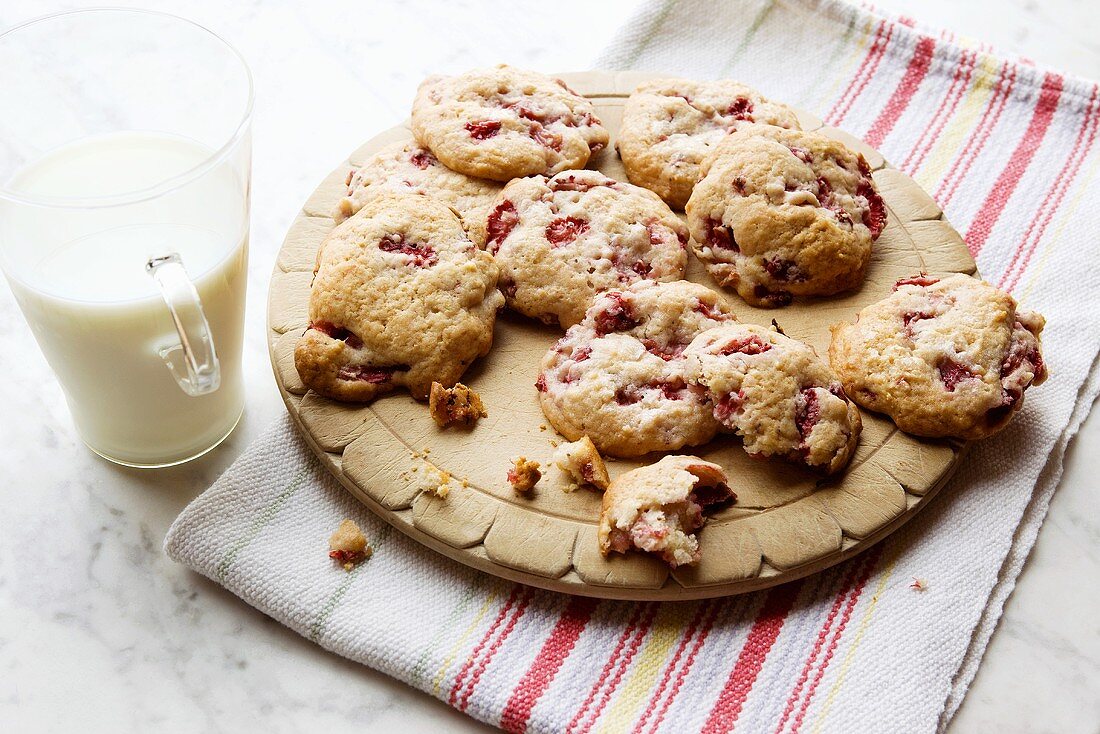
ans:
(777, 394)
(401, 298)
(785, 213)
(560, 241)
(671, 125)
(501, 123)
(941, 357)
(408, 168)
(619, 375)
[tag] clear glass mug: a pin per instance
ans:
(124, 198)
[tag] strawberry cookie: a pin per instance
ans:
(504, 122)
(784, 213)
(658, 508)
(409, 168)
(401, 298)
(777, 394)
(671, 125)
(941, 357)
(561, 240)
(619, 376)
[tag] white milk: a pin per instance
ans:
(79, 276)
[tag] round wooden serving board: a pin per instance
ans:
(786, 522)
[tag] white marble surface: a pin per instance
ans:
(100, 632)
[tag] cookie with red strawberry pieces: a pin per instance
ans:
(409, 168)
(777, 394)
(619, 375)
(785, 213)
(671, 125)
(659, 508)
(504, 122)
(401, 297)
(941, 357)
(559, 241)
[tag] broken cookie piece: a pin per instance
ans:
(348, 546)
(658, 508)
(458, 405)
(524, 474)
(581, 461)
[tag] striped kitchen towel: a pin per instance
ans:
(1009, 151)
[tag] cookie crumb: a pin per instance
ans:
(777, 327)
(524, 474)
(458, 405)
(582, 462)
(919, 585)
(432, 480)
(348, 546)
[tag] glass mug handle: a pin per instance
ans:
(193, 361)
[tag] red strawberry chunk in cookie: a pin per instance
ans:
(667, 352)
(564, 230)
(720, 236)
(337, 332)
(712, 312)
(909, 317)
(422, 159)
(346, 557)
(771, 298)
(729, 406)
(508, 286)
(809, 412)
(627, 267)
(825, 198)
(1009, 398)
(741, 109)
(483, 129)
(801, 154)
(421, 255)
(365, 373)
(784, 270)
(671, 389)
(581, 354)
(628, 395)
(523, 111)
(545, 137)
(501, 223)
(750, 345)
(660, 234)
(874, 216)
(1018, 354)
(921, 280)
(953, 372)
(617, 316)
(571, 183)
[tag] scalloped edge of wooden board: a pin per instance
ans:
(492, 534)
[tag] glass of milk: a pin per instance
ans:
(124, 198)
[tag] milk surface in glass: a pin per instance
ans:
(79, 276)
